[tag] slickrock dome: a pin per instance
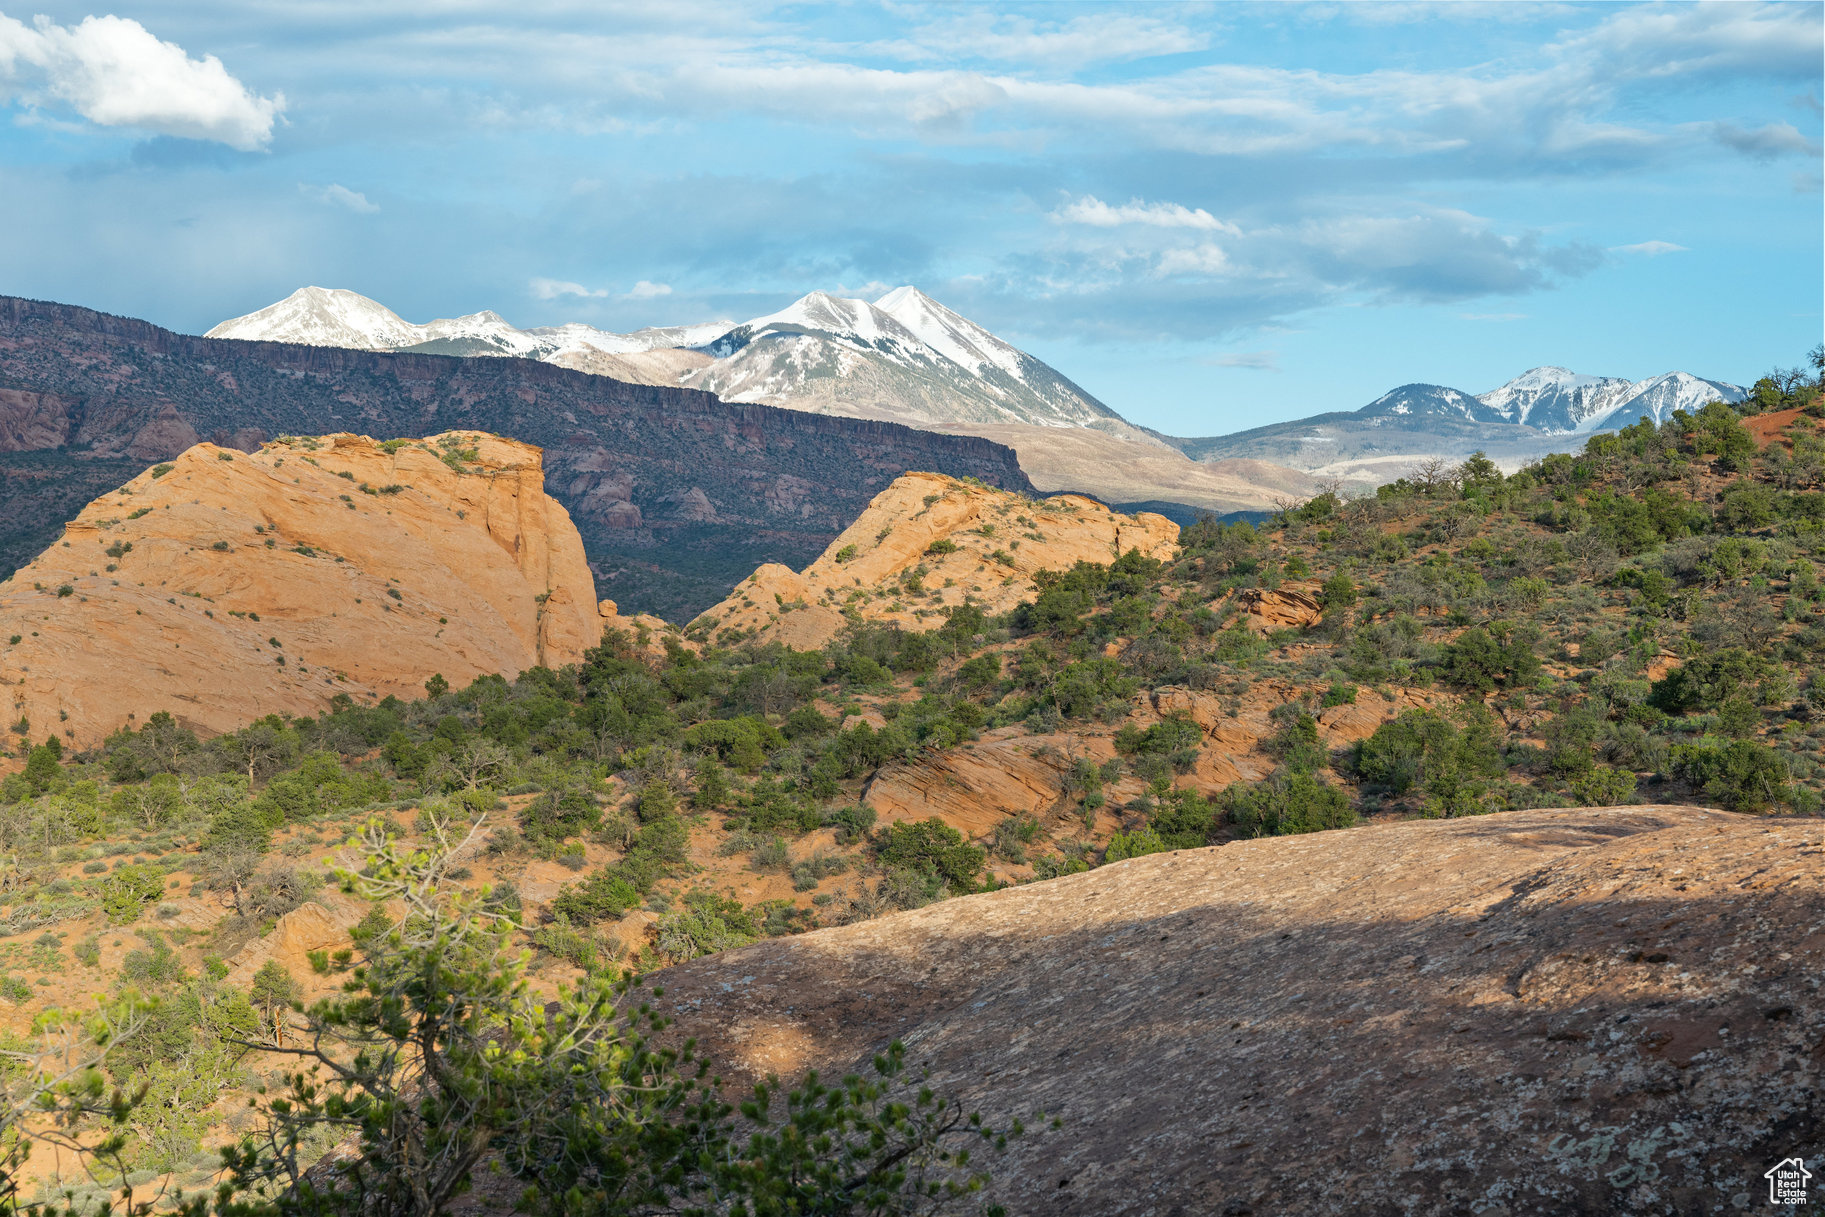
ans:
(225, 586)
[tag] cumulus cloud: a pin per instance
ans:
(553, 289)
(1650, 249)
(1098, 214)
(644, 290)
(116, 73)
(338, 195)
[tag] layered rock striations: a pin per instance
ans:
(925, 545)
(225, 586)
(1608, 1010)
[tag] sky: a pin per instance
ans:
(1209, 216)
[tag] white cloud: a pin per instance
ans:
(648, 291)
(115, 73)
(1198, 260)
(341, 196)
(1651, 249)
(1098, 214)
(552, 289)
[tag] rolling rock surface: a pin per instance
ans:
(246, 584)
(1001, 541)
(1602, 1010)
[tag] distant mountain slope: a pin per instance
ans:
(676, 493)
(1546, 409)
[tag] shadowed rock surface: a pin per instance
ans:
(1595, 1010)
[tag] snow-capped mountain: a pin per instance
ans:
(1556, 399)
(1559, 401)
(1658, 396)
(334, 317)
(324, 317)
(904, 356)
(1416, 401)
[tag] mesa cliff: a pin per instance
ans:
(1596, 1010)
(924, 545)
(225, 586)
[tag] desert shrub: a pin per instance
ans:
(1134, 845)
(1706, 680)
(1483, 658)
(558, 815)
(1741, 775)
(1012, 836)
(1603, 786)
(931, 847)
(706, 924)
(126, 893)
(1285, 804)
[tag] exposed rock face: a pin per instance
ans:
(999, 542)
(232, 585)
(1286, 608)
(1601, 1010)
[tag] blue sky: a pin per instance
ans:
(1210, 216)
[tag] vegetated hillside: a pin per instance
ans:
(677, 494)
(226, 586)
(1576, 1011)
(1640, 621)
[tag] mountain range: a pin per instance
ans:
(1546, 409)
(907, 358)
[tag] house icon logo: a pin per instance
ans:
(1787, 1181)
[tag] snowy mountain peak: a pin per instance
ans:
(1555, 399)
(951, 335)
(323, 316)
(1421, 400)
(1658, 396)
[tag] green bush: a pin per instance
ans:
(1286, 804)
(1740, 775)
(126, 893)
(1134, 845)
(931, 847)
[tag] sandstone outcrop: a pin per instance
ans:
(1285, 608)
(226, 586)
(1597, 1010)
(925, 544)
